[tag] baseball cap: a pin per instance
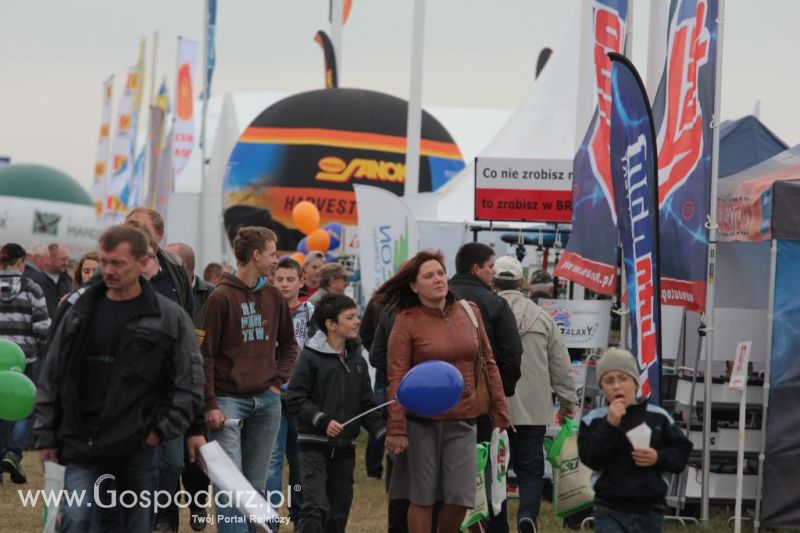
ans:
(11, 252)
(334, 270)
(541, 276)
(508, 267)
(311, 255)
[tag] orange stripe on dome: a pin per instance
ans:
(346, 139)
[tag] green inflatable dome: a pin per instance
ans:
(41, 183)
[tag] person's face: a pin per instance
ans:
(87, 270)
(431, 282)
(60, 259)
(266, 259)
(337, 285)
(42, 261)
(151, 267)
(120, 269)
(618, 385)
(346, 324)
(145, 220)
(288, 282)
(485, 272)
(312, 269)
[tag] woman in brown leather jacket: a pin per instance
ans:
(436, 457)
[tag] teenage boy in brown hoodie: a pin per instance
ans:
(249, 350)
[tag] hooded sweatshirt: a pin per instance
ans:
(247, 340)
(23, 313)
(545, 364)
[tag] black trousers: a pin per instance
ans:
(327, 475)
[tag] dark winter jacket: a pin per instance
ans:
(200, 292)
(157, 382)
(618, 482)
(501, 327)
(324, 387)
(171, 263)
(379, 347)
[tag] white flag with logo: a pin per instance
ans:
(388, 234)
(101, 159)
(122, 151)
(183, 139)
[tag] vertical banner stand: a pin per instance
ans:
(739, 381)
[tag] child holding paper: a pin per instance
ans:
(329, 386)
(631, 445)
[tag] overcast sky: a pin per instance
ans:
(55, 54)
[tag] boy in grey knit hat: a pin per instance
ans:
(630, 486)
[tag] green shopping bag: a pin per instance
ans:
(481, 509)
(572, 486)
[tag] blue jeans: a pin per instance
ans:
(170, 468)
(608, 520)
(250, 447)
(527, 459)
(285, 444)
(112, 510)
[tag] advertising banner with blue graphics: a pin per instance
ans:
(590, 257)
(388, 234)
(634, 172)
(781, 491)
(683, 109)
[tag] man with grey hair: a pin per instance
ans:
(545, 366)
(59, 259)
(36, 266)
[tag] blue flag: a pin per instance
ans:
(211, 52)
(634, 172)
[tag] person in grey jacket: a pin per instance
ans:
(545, 366)
(122, 374)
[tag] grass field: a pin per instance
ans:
(368, 514)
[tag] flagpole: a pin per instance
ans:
(712, 260)
(200, 244)
(414, 123)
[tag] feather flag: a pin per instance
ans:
(331, 77)
(103, 145)
(183, 122)
(122, 152)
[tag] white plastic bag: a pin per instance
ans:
(53, 484)
(500, 453)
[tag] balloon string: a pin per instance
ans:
(370, 410)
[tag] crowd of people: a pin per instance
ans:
(138, 362)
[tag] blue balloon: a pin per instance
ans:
(431, 388)
(302, 246)
(329, 258)
(334, 230)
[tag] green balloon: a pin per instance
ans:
(17, 394)
(11, 356)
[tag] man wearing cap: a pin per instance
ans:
(332, 280)
(312, 268)
(23, 320)
(545, 366)
(629, 481)
(541, 285)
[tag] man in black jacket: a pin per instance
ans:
(123, 373)
(472, 282)
(36, 264)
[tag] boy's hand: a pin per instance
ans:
(644, 456)
(616, 410)
(334, 428)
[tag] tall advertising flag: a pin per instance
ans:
(122, 152)
(211, 49)
(635, 185)
(183, 126)
(388, 234)
(590, 257)
(101, 159)
(683, 110)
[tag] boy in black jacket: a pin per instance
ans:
(330, 385)
(629, 483)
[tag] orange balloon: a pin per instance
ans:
(319, 240)
(305, 216)
(300, 257)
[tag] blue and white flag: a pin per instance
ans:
(634, 172)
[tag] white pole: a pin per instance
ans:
(737, 521)
(414, 124)
(656, 45)
(153, 69)
(337, 12)
(712, 261)
(586, 77)
(201, 212)
(773, 262)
